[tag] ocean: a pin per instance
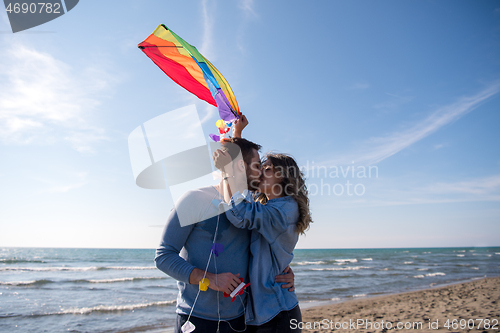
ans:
(120, 290)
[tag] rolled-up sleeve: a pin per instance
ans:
(168, 258)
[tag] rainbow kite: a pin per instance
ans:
(185, 65)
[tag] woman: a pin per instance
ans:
(276, 216)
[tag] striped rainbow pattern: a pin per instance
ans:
(187, 67)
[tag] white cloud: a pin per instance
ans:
(359, 86)
(248, 7)
(249, 13)
(210, 112)
(377, 149)
(43, 100)
(65, 188)
(206, 47)
(394, 102)
(422, 201)
(76, 180)
(5, 26)
(83, 139)
(479, 186)
(407, 191)
(440, 145)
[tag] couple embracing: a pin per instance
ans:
(245, 227)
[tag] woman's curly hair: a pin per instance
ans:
(293, 184)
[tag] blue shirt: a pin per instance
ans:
(273, 240)
(183, 248)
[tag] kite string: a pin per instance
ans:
(239, 296)
(205, 273)
(216, 283)
(244, 315)
(218, 305)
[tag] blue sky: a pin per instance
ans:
(410, 88)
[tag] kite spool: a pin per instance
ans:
(238, 291)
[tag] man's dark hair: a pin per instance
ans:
(245, 147)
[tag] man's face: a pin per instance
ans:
(254, 171)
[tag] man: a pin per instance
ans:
(187, 251)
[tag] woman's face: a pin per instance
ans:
(270, 182)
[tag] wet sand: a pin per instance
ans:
(421, 311)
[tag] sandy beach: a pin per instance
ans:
(471, 306)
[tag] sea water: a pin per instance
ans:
(120, 290)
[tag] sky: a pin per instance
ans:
(403, 93)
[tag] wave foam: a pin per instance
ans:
(44, 281)
(301, 263)
(126, 279)
(460, 255)
(17, 261)
(26, 283)
(73, 269)
(369, 259)
(340, 268)
(106, 308)
(113, 308)
(346, 260)
(420, 276)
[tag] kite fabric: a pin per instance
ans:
(187, 67)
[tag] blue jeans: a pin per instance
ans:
(210, 326)
(280, 323)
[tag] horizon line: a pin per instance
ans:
(345, 248)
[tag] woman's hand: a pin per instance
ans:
(239, 125)
(288, 279)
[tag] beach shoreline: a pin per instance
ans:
(427, 310)
(401, 307)
(108, 290)
(320, 303)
